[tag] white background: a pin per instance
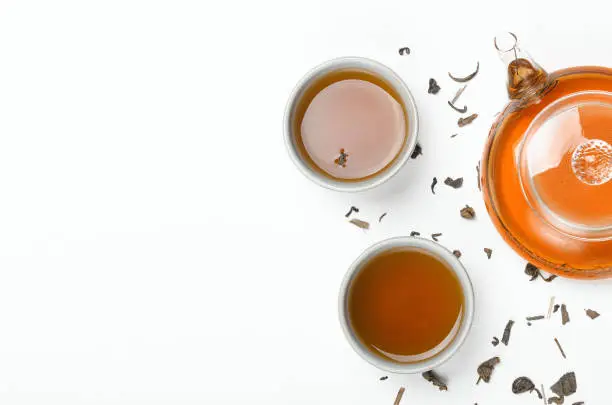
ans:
(157, 246)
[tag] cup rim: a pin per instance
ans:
(394, 80)
(454, 264)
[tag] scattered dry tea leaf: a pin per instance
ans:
(478, 176)
(578, 403)
(382, 216)
(535, 318)
(488, 252)
(360, 224)
(532, 271)
(506, 337)
(549, 278)
(456, 183)
(556, 400)
(522, 385)
(433, 87)
(457, 253)
(404, 51)
(383, 378)
(418, 150)
(415, 233)
(454, 135)
(466, 78)
(543, 393)
(398, 397)
(495, 341)
(560, 348)
(342, 159)
(353, 209)
(458, 94)
(435, 236)
(467, 212)
(592, 314)
(564, 315)
(557, 306)
(435, 380)
(566, 385)
(486, 369)
(459, 110)
(466, 120)
(550, 307)
(433, 185)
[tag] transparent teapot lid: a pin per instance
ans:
(565, 165)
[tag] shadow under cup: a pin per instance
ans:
(350, 124)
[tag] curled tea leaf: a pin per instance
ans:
(418, 150)
(456, 183)
(435, 236)
(532, 271)
(486, 369)
(404, 51)
(353, 209)
(467, 120)
(522, 385)
(566, 385)
(435, 380)
(415, 233)
(433, 87)
(466, 78)
(433, 184)
(382, 216)
(342, 159)
(459, 110)
(467, 212)
(495, 341)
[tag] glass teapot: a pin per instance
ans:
(547, 165)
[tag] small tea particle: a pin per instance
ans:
(415, 233)
(341, 160)
(535, 318)
(550, 307)
(522, 385)
(592, 314)
(360, 224)
(506, 337)
(466, 78)
(478, 176)
(454, 135)
(560, 348)
(467, 120)
(435, 380)
(404, 51)
(467, 212)
(383, 378)
(532, 271)
(556, 400)
(495, 341)
(557, 306)
(566, 385)
(488, 252)
(418, 150)
(353, 209)
(457, 253)
(433, 184)
(398, 398)
(456, 183)
(458, 94)
(382, 216)
(433, 87)
(564, 315)
(578, 403)
(435, 236)
(486, 369)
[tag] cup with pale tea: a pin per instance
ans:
(350, 124)
(406, 305)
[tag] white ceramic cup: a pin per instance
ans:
(437, 251)
(351, 63)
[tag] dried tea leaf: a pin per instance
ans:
(342, 159)
(539, 393)
(404, 51)
(458, 94)
(566, 385)
(467, 120)
(488, 252)
(418, 150)
(495, 341)
(353, 209)
(435, 380)
(550, 307)
(522, 385)
(467, 212)
(592, 314)
(382, 216)
(506, 337)
(564, 315)
(459, 110)
(532, 271)
(457, 253)
(486, 369)
(535, 318)
(478, 176)
(433, 87)
(415, 233)
(433, 184)
(435, 236)
(454, 135)
(578, 403)
(560, 348)
(456, 183)
(466, 78)
(557, 306)
(360, 224)
(383, 378)
(549, 278)
(398, 397)
(556, 400)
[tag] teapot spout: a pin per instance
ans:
(526, 80)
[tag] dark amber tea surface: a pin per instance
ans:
(405, 305)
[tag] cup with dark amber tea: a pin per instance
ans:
(350, 124)
(406, 305)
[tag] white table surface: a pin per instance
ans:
(157, 246)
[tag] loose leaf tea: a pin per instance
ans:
(478, 176)
(383, 378)
(535, 318)
(454, 135)
(418, 150)
(550, 307)
(433, 87)
(415, 233)
(467, 212)
(488, 252)
(457, 253)
(398, 397)
(341, 160)
(592, 314)
(459, 110)
(435, 380)
(578, 403)
(522, 385)
(556, 400)
(435, 236)
(458, 94)
(532, 271)
(360, 224)
(466, 78)
(433, 184)
(560, 348)
(566, 385)
(404, 51)
(353, 209)
(495, 341)
(456, 183)
(557, 306)
(382, 216)
(506, 338)
(564, 315)
(467, 120)
(486, 369)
